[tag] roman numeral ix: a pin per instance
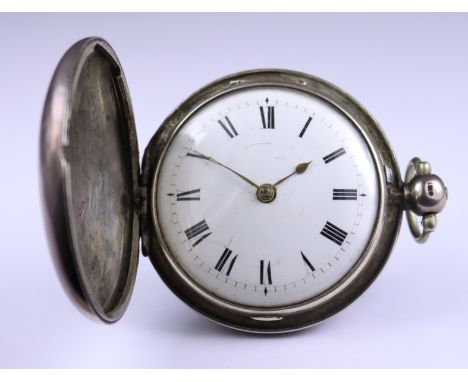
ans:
(223, 259)
(188, 195)
(196, 233)
(228, 127)
(344, 194)
(333, 233)
(335, 154)
(196, 155)
(268, 121)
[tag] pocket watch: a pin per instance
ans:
(268, 201)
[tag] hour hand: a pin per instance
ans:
(196, 154)
(300, 169)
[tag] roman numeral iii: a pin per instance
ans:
(223, 259)
(265, 273)
(228, 127)
(344, 194)
(268, 120)
(196, 234)
(333, 233)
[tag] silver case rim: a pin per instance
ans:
(336, 298)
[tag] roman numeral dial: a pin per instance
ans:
(263, 196)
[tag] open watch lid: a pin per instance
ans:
(90, 167)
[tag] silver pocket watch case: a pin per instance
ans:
(97, 204)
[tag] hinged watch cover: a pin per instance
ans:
(90, 167)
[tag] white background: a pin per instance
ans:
(410, 71)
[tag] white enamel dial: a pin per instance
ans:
(284, 251)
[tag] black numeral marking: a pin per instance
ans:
(188, 195)
(344, 194)
(335, 234)
(197, 155)
(265, 273)
(229, 129)
(196, 232)
(307, 262)
(334, 155)
(223, 259)
(268, 121)
(305, 127)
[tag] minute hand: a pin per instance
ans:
(213, 160)
(300, 168)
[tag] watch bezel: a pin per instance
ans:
(334, 299)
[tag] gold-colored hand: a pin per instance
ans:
(211, 159)
(300, 169)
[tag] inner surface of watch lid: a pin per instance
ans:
(90, 170)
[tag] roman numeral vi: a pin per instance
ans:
(265, 273)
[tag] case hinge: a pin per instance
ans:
(143, 216)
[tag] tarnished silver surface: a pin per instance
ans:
(310, 312)
(89, 163)
(425, 195)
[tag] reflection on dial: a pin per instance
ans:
(267, 197)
